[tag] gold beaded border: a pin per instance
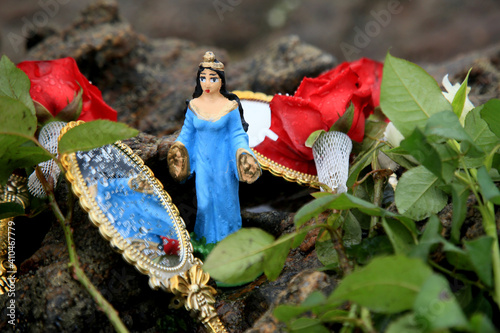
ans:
(159, 275)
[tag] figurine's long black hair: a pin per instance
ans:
(223, 90)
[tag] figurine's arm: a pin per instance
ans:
(178, 161)
(248, 166)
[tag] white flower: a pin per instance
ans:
(392, 135)
(451, 91)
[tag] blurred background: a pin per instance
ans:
(419, 30)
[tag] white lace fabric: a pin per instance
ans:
(331, 155)
(48, 138)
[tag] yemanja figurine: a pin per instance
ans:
(213, 145)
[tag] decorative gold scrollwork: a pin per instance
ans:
(192, 291)
(15, 190)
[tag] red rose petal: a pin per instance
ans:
(294, 119)
(54, 84)
(309, 86)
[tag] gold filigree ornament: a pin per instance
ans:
(15, 190)
(258, 115)
(136, 215)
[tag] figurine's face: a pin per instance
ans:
(210, 82)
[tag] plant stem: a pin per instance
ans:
(336, 238)
(74, 264)
(487, 211)
(489, 224)
(451, 274)
(378, 193)
(347, 327)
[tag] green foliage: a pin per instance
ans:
(17, 142)
(10, 209)
(387, 284)
(409, 96)
(460, 97)
(489, 113)
(239, 258)
(417, 195)
(397, 278)
(14, 83)
(94, 134)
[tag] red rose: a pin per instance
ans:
(317, 104)
(54, 84)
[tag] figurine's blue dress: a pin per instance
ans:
(212, 147)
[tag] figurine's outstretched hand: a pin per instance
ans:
(248, 167)
(178, 161)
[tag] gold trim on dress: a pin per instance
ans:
(213, 117)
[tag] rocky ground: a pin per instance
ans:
(148, 80)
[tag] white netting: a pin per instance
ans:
(48, 139)
(331, 154)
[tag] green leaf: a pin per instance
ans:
(408, 95)
(326, 253)
(436, 308)
(446, 125)
(460, 194)
(362, 161)
(339, 202)
(400, 156)
(488, 188)
(479, 252)
(313, 137)
(10, 210)
(16, 118)
(239, 257)
(431, 237)
(275, 257)
(18, 152)
(489, 113)
(72, 111)
(460, 97)
(417, 195)
(481, 135)
(94, 134)
(480, 323)
(406, 324)
(479, 131)
(14, 83)
(334, 316)
(308, 325)
(344, 123)
(439, 159)
(401, 238)
(352, 230)
(285, 313)
(42, 114)
(386, 285)
(370, 248)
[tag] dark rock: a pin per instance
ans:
(148, 81)
(281, 66)
(300, 287)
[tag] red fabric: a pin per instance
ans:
(317, 104)
(54, 84)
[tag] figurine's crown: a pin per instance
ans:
(209, 61)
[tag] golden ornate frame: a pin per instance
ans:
(186, 280)
(268, 164)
